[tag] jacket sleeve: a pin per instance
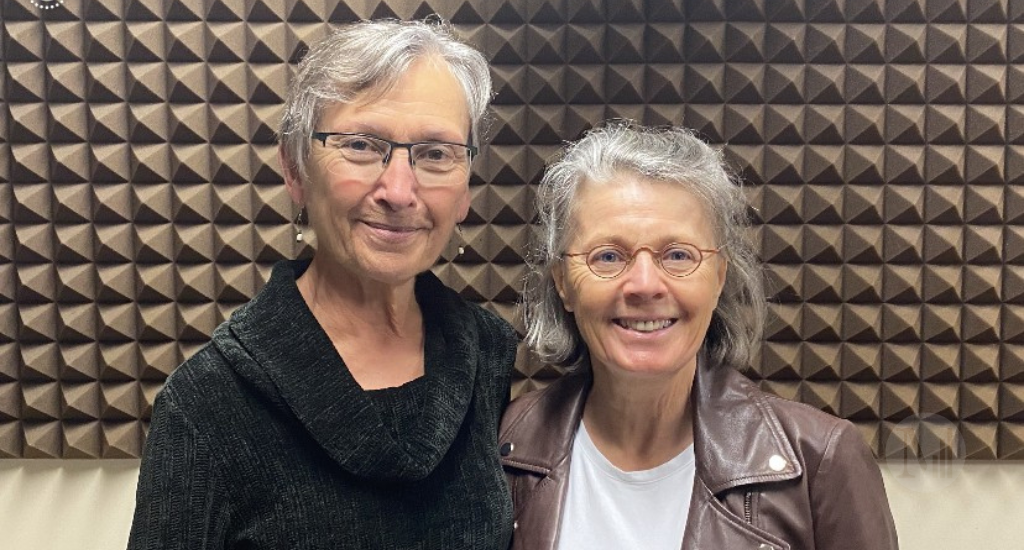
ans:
(179, 503)
(848, 501)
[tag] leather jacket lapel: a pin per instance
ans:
(537, 438)
(737, 437)
(755, 451)
(539, 446)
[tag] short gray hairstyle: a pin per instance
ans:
(368, 57)
(663, 154)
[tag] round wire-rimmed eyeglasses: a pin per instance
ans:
(608, 261)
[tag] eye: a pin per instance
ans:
(359, 144)
(440, 156)
(679, 254)
(439, 152)
(607, 256)
(359, 148)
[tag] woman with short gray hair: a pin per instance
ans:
(645, 285)
(353, 403)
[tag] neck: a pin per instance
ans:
(640, 424)
(349, 307)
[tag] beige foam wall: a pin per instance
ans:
(976, 505)
(87, 505)
(58, 504)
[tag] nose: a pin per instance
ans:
(396, 186)
(643, 279)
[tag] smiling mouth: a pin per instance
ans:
(392, 228)
(645, 325)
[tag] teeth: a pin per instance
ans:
(646, 326)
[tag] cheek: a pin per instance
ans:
(701, 307)
(465, 202)
(317, 186)
(574, 290)
(333, 166)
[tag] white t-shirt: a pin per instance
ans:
(607, 508)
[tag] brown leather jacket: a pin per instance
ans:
(771, 473)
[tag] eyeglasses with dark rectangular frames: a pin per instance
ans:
(608, 261)
(435, 163)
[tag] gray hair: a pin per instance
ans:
(370, 57)
(664, 154)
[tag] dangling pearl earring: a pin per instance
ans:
(462, 248)
(298, 226)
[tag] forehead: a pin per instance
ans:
(631, 209)
(427, 94)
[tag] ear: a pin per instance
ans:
(292, 181)
(558, 276)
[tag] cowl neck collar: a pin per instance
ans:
(289, 348)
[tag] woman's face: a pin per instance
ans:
(390, 228)
(644, 322)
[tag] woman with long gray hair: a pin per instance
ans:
(645, 286)
(354, 402)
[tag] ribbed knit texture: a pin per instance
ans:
(264, 440)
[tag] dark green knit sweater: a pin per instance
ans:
(264, 440)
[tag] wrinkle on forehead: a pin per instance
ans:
(621, 211)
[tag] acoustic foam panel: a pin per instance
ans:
(881, 144)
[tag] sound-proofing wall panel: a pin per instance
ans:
(880, 144)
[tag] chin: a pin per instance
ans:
(391, 274)
(652, 371)
(651, 366)
(392, 268)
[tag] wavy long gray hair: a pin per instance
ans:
(664, 154)
(365, 59)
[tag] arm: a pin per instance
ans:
(179, 500)
(500, 342)
(508, 362)
(848, 499)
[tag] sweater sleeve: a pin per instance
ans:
(179, 502)
(502, 347)
(848, 498)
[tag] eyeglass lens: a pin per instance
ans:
(677, 259)
(366, 157)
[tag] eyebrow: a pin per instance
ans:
(430, 134)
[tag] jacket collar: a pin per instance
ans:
(738, 439)
(548, 423)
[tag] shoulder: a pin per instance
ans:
(496, 345)
(538, 408)
(495, 333)
(203, 384)
(801, 417)
(521, 406)
(492, 326)
(793, 417)
(204, 368)
(429, 288)
(823, 440)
